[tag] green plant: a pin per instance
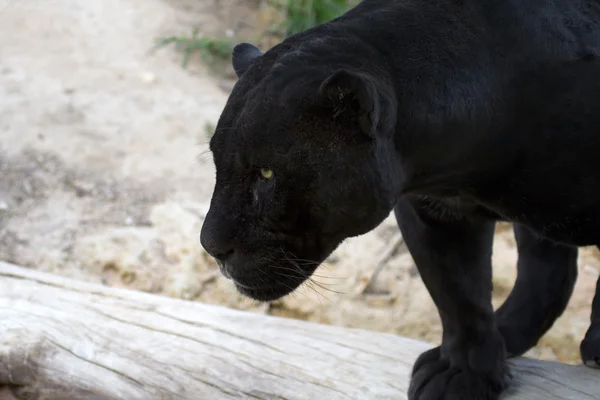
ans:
(209, 129)
(212, 51)
(296, 15)
(299, 15)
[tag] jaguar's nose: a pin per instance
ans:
(218, 249)
(217, 245)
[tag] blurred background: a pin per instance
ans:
(106, 109)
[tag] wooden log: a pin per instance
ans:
(65, 339)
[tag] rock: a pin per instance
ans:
(504, 263)
(147, 77)
(165, 257)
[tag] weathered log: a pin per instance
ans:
(65, 339)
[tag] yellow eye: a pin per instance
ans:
(266, 173)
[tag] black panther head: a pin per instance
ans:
(305, 158)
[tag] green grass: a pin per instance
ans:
(300, 15)
(212, 51)
(296, 16)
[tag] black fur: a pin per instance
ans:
(453, 113)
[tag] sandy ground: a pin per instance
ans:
(104, 175)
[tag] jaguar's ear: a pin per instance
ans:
(242, 56)
(372, 99)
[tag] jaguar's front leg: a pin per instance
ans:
(547, 272)
(454, 260)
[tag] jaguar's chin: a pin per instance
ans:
(267, 293)
(268, 276)
(272, 281)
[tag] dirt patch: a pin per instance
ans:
(104, 174)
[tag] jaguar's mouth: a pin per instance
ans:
(267, 277)
(223, 268)
(268, 283)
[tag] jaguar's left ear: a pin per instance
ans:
(242, 56)
(373, 99)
